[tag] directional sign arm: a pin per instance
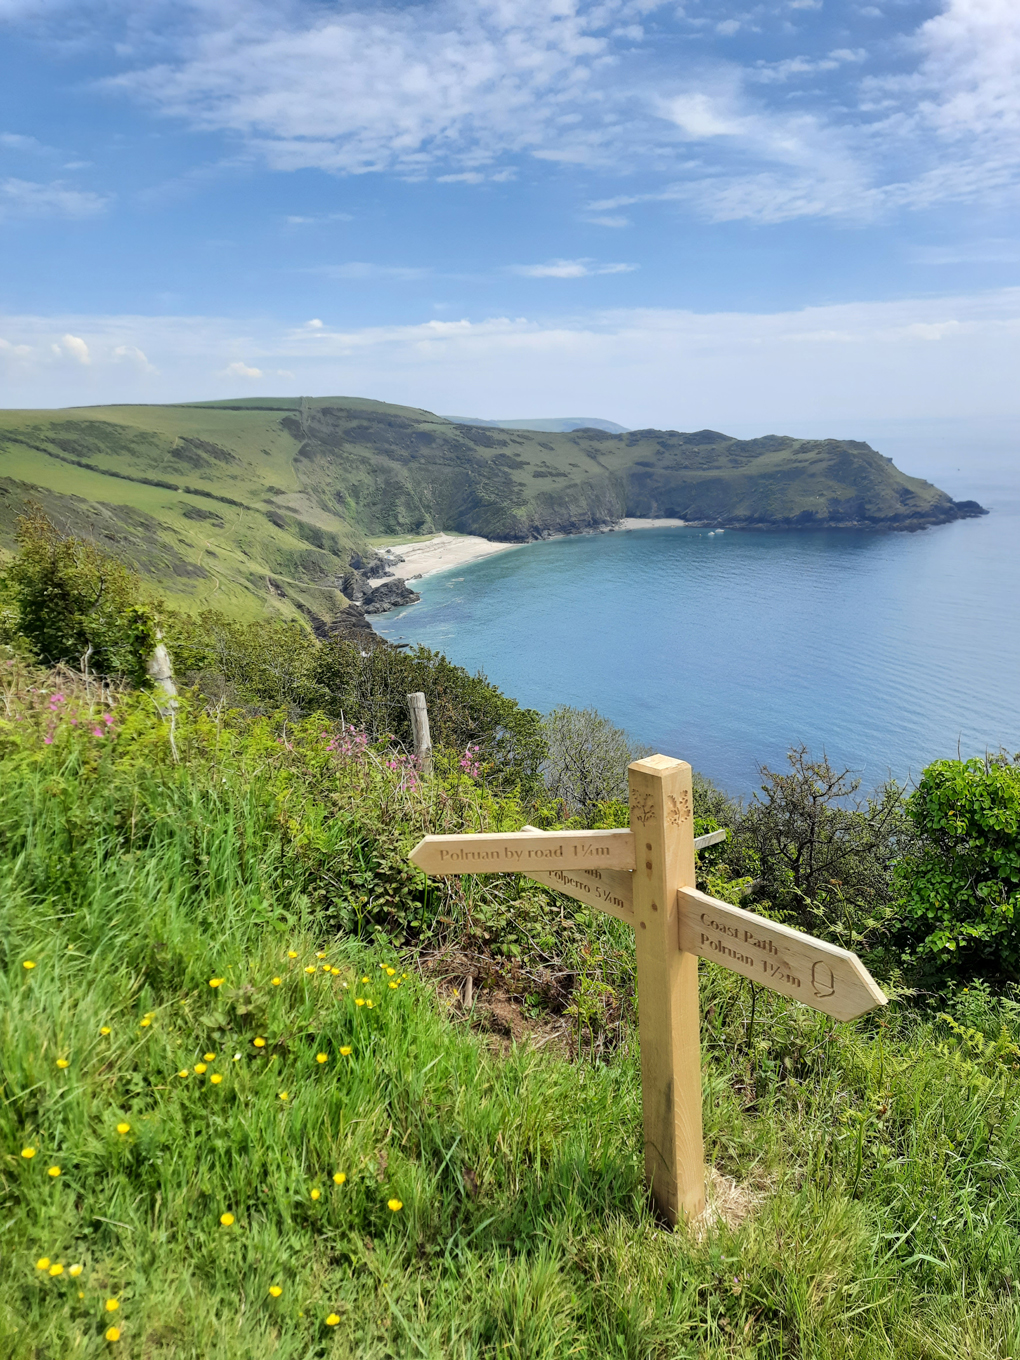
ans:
(787, 961)
(518, 852)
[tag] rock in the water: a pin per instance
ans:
(389, 595)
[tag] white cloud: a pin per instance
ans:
(362, 269)
(831, 366)
(569, 269)
(972, 67)
(404, 88)
(296, 221)
(16, 141)
(76, 347)
(22, 198)
(132, 354)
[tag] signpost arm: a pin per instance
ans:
(661, 818)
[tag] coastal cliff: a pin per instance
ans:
(273, 503)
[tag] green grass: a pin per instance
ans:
(880, 1158)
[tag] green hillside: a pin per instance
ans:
(259, 505)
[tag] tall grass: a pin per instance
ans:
(879, 1160)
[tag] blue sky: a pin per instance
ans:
(672, 214)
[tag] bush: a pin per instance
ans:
(69, 602)
(960, 887)
(587, 759)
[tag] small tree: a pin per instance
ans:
(73, 602)
(821, 855)
(588, 758)
(960, 888)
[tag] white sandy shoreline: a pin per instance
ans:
(455, 550)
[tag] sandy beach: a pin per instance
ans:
(443, 551)
(650, 524)
(456, 550)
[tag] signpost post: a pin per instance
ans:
(646, 876)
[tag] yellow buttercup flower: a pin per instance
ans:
(346, 1051)
(112, 1305)
(316, 1194)
(370, 1003)
(277, 981)
(292, 953)
(216, 982)
(335, 972)
(75, 1270)
(364, 979)
(321, 1057)
(200, 1068)
(56, 1268)
(104, 1030)
(285, 1095)
(339, 1177)
(62, 1063)
(226, 1219)
(393, 986)
(394, 1204)
(216, 1078)
(326, 968)
(53, 1171)
(275, 1290)
(391, 972)
(123, 1128)
(183, 1072)
(209, 1057)
(43, 1263)
(28, 1153)
(321, 954)
(28, 964)
(259, 1043)
(113, 1333)
(310, 968)
(145, 1022)
(332, 1320)
(359, 1001)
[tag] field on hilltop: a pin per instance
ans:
(260, 504)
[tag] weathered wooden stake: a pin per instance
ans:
(661, 818)
(420, 730)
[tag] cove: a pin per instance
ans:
(886, 651)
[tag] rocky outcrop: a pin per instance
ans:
(390, 594)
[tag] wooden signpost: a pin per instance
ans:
(646, 876)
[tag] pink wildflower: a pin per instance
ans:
(108, 718)
(97, 731)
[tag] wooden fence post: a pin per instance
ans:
(420, 731)
(662, 820)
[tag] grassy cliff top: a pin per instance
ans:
(258, 504)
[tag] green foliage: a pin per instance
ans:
(70, 602)
(586, 764)
(872, 1209)
(272, 665)
(821, 857)
(960, 887)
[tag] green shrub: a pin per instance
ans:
(69, 602)
(960, 889)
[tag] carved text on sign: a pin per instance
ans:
(784, 960)
(609, 890)
(521, 851)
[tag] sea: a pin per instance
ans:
(884, 651)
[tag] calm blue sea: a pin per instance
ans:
(884, 650)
